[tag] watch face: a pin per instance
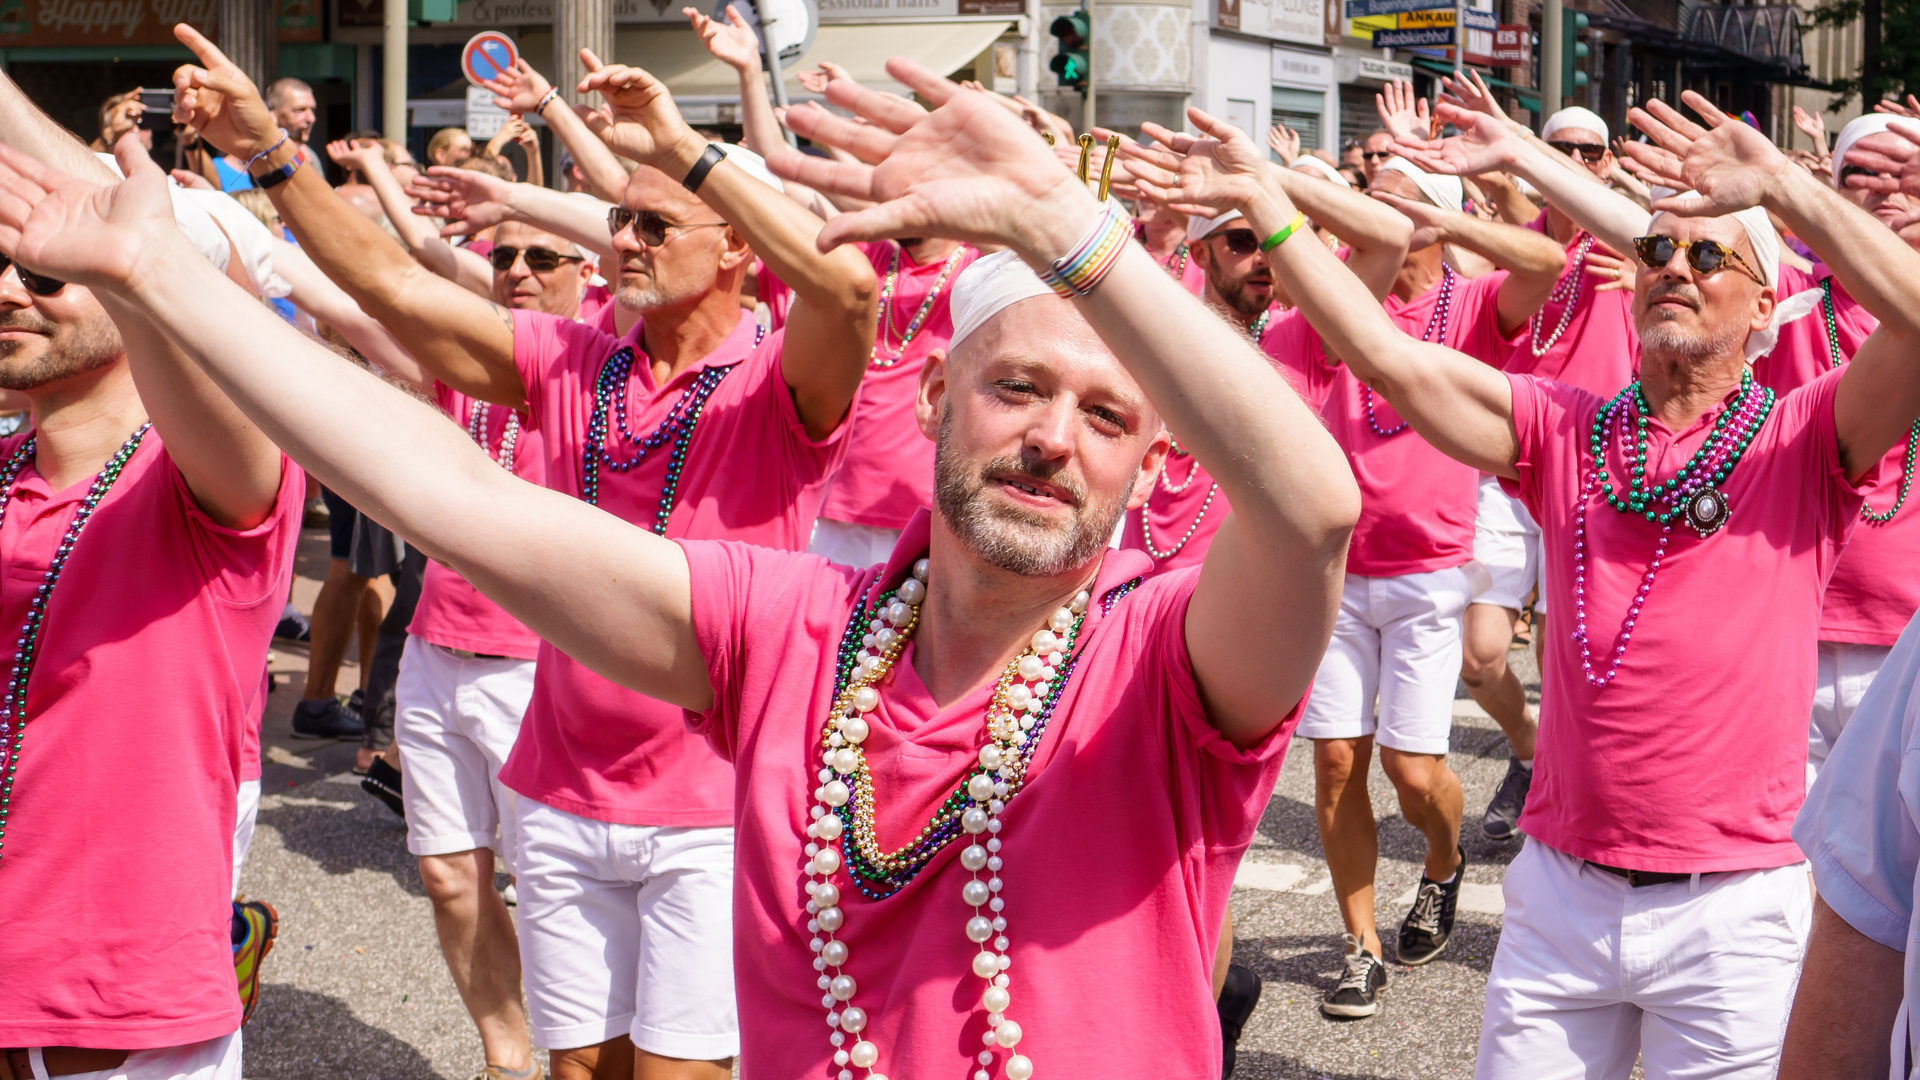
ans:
(1707, 510)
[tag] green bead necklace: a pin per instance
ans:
(1868, 513)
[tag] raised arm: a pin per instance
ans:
(732, 42)
(465, 341)
(1264, 606)
(458, 265)
(829, 332)
(1455, 402)
(622, 608)
(471, 201)
(1532, 261)
(525, 91)
(316, 294)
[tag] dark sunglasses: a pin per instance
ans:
(1239, 241)
(1705, 256)
(539, 259)
(1371, 154)
(1858, 170)
(648, 225)
(32, 282)
(1586, 152)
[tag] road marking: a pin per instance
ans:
(281, 756)
(1272, 877)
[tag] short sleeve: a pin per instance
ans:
(1531, 407)
(245, 566)
(1295, 348)
(1809, 412)
(1479, 316)
(810, 458)
(540, 341)
(1857, 826)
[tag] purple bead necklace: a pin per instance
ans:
(1436, 331)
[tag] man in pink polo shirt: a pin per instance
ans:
(1690, 524)
(1094, 756)
(696, 424)
(148, 532)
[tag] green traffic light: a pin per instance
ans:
(1070, 63)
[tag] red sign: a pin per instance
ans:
(1511, 46)
(486, 55)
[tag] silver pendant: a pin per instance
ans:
(1707, 510)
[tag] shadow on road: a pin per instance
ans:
(343, 829)
(301, 1035)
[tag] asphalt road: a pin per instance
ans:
(356, 989)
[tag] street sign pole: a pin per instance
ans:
(1459, 40)
(1550, 45)
(1087, 120)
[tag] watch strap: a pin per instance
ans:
(276, 177)
(697, 175)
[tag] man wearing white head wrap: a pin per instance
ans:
(682, 251)
(1574, 118)
(1650, 784)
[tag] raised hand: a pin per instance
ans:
(1613, 270)
(76, 231)
(1402, 112)
(1910, 110)
(1284, 142)
(816, 81)
(966, 171)
(353, 157)
(1472, 94)
(1812, 125)
(1728, 163)
(1206, 176)
(868, 141)
(518, 89)
(641, 122)
(1483, 144)
(1429, 221)
(1896, 169)
(732, 42)
(216, 98)
(471, 201)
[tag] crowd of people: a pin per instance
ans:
(686, 515)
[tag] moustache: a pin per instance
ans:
(28, 320)
(1012, 468)
(1677, 289)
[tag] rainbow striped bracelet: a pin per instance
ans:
(1076, 273)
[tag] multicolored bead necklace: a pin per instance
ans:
(1565, 292)
(13, 704)
(477, 431)
(1692, 494)
(884, 354)
(1176, 263)
(1258, 329)
(610, 396)
(1436, 330)
(1022, 704)
(1868, 513)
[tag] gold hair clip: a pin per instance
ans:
(1047, 135)
(1086, 155)
(1106, 169)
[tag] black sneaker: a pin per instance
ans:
(325, 719)
(1358, 994)
(383, 782)
(1502, 820)
(1424, 935)
(1237, 999)
(293, 627)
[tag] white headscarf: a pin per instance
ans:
(1199, 228)
(1766, 255)
(1858, 128)
(1444, 192)
(1315, 165)
(990, 285)
(1577, 118)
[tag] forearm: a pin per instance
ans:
(583, 221)
(1510, 204)
(760, 132)
(1843, 1010)
(1610, 216)
(1533, 263)
(1376, 234)
(319, 297)
(25, 128)
(536, 169)
(414, 230)
(599, 166)
(1876, 267)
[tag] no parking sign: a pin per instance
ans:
(486, 55)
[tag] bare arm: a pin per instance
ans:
(462, 267)
(523, 90)
(1377, 236)
(472, 201)
(829, 333)
(1843, 1010)
(1264, 606)
(1532, 261)
(25, 128)
(319, 297)
(464, 340)
(1509, 202)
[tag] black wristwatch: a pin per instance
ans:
(697, 175)
(278, 176)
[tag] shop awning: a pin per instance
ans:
(678, 59)
(1529, 98)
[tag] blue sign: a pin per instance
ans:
(1359, 8)
(1401, 39)
(1479, 20)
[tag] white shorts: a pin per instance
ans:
(1507, 543)
(455, 719)
(852, 545)
(243, 823)
(1592, 972)
(1397, 640)
(627, 930)
(1843, 673)
(215, 1059)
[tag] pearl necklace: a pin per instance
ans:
(13, 703)
(843, 811)
(1436, 331)
(1690, 493)
(1566, 291)
(477, 431)
(1867, 513)
(884, 355)
(610, 396)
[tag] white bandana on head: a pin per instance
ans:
(1766, 256)
(1576, 118)
(992, 284)
(1859, 128)
(1199, 228)
(1314, 165)
(1444, 192)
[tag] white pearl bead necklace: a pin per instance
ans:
(1017, 701)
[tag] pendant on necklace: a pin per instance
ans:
(1707, 510)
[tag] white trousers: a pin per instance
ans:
(1396, 640)
(455, 720)
(627, 930)
(1844, 672)
(1694, 979)
(244, 820)
(852, 545)
(215, 1059)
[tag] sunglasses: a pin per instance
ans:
(1239, 241)
(1705, 256)
(33, 283)
(539, 259)
(1587, 152)
(1372, 154)
(1858, 170)
(648, 225)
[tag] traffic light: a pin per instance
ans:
(1070, 65)
(1573, 53)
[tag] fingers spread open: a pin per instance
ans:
(1654, 159)
(1708, 111)
(876, 222)
(869, 143)
(823, 175)
(1177, 141)
(895, 114)
(917, 77)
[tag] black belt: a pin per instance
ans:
(468, 654)
(1640, 879)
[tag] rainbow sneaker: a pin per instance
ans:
(255, 924)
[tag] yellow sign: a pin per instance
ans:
(1425, 20)
(1365, 25)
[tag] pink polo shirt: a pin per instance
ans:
(1120, 851)
(1597, 348)
(1874, 591)
(888, 473)
(752, 474)
(451, 612)
(1693, 758)
(118, 869)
